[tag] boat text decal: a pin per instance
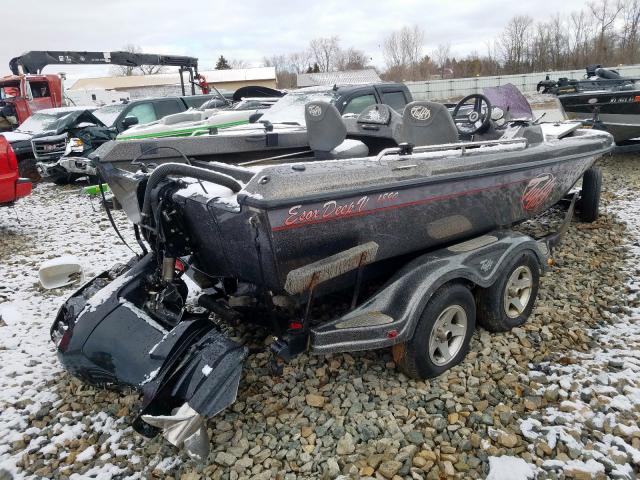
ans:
(336, 209)
(537, 191)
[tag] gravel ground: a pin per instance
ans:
(556, 398)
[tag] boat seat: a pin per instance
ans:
(327, 133)
(183, 117)
(428, 123)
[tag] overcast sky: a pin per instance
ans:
(251, 29)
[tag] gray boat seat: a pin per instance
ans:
(428, 123)
(328, 134)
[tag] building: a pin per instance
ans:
(351, 77)
(165, 84)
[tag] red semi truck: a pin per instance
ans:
(23, 95)
(12, 187)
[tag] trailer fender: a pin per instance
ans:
(390, 316)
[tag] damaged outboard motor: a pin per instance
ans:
(187, 370)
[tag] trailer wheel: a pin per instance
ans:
(509, 301)
(443, 333)
(589, 205)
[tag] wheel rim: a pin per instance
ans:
(517, 292)
(447, 335)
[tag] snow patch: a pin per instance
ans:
(510, 468)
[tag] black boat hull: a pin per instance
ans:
(619, 112)
(290, 221)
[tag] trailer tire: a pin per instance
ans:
(498, 312)
(449, 317)
(589, 205)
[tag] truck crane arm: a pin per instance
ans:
(33, 62)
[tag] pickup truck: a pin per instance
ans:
(12, 186)
(107, 122)
(350, 100)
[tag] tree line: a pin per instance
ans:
(605, 32)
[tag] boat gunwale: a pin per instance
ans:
(246, 199)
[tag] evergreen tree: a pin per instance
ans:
(222, 64)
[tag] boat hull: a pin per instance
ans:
(619, 112)
(266, 237)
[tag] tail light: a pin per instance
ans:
(8, 159)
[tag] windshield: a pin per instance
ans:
(109, 113)
(41, 122)
(10, 90)
(290, 108)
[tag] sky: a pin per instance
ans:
(249, 30)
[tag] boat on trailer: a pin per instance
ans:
(604, 100)
(415, 236)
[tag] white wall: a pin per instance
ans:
(458, 87)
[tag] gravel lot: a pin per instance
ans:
(557, 398)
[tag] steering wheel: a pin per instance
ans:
(476, 120)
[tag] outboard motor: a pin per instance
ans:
(591, 70)
(608, 74)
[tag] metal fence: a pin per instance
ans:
(458, 87)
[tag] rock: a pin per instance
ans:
(449, 471)
(428, 455)
(314, 400)
(439, 423)
(367, 471)
(508, 440)
(389, 468)
(226, 459)
(331, 468)
(419, 461)
(345, 445)
(5, 474)
(584, 471)
(415, 437)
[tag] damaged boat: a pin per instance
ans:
(414, 241)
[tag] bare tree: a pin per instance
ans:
(514, 42)
(605, 12)
(402, 51)
(351, 59)
(285, 78)
(325, 52)
(236, 63)
(630, 38)
(442, 54)
(299, 61)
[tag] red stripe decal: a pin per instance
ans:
(392, 207)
